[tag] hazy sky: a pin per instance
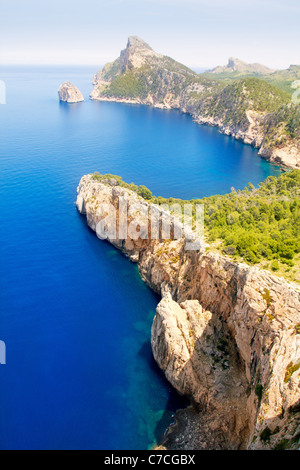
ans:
(199, 33)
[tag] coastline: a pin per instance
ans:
(285, 157)
(212, 296)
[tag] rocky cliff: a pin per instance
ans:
(242, 108)
(69, 93)
(226, 335)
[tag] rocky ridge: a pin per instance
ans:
(242, 108)
(226, 335)
(236, 65)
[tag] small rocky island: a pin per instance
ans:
(69, 93)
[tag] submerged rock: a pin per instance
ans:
(69, 93)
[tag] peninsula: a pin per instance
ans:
(248, 106)
(226, 334)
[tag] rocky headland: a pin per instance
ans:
(249, 109)
(69, 93)
(226, 335)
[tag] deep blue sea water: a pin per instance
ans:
(75, 315)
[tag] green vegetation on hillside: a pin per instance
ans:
(128, 85)
(141, 190)
(258, 225)
(282, 79)
(231, 103)
(173, 66)
(223, 99)
(150, 78)
(111, 70)
(283, 126)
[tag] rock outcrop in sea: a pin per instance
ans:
(226, 335)
(249, 109)
(69, 93)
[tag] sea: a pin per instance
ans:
(75, 314)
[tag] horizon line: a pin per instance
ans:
(98, 65)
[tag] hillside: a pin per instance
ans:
(240, 107)
(282, 79)
(282, 126)
(232, 102)
(142, 74)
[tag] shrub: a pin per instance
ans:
(265, 434)
(259, 391)
(144, 192)
(291, 368)
(275, 266)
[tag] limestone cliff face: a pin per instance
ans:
(225, 334)
(142, 76)
(69, 93)
(137, 54)
(252, 133)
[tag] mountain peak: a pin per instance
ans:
(234, 62)
(136, 54)
(136, 42)
(237, 65)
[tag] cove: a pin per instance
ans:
(75, 315)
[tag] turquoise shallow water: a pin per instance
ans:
(75, 314)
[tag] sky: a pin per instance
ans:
(198, 33)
